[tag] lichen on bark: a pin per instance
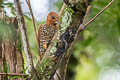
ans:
(71, 20)
(67, 19)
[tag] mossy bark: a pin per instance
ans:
(72, 18)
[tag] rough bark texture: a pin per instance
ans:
(11, 59)
(24, 36)
(71, 20)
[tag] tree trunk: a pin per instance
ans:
(11, 59)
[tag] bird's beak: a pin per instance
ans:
(57, 22)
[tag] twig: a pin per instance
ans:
(2, 14)
(87, 12)
(69, 37)
(13, 74)
(99, 13)
(56, 36)
(65, 59)
(29, 60)
(33, 19)
(69, 52)
(62, 9)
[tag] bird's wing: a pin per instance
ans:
(39, 33)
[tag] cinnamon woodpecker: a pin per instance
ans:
(47, 31)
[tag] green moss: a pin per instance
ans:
(45, 68)
(53, 49)
(67, 19)
(70, 19)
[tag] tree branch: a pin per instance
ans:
(64, 62)
(62, 9)
(70, 23)
(90, 21)
(33, 19)
(20, 17)
(71, 27)
(13, 74)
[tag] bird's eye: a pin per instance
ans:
(53, 17)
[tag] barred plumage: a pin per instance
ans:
(47, 31)
(46, 35)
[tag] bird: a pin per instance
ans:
(47, 31)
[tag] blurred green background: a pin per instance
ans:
(98, 51)
(96, 55)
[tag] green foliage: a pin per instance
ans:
(1, 1)
(8, 5)
(7, 31)
(16, 77)
(99, 45)
(5, 68)
(45, 69)
(32, 38)
(59, 4)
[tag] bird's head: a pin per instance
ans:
(52, 19)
